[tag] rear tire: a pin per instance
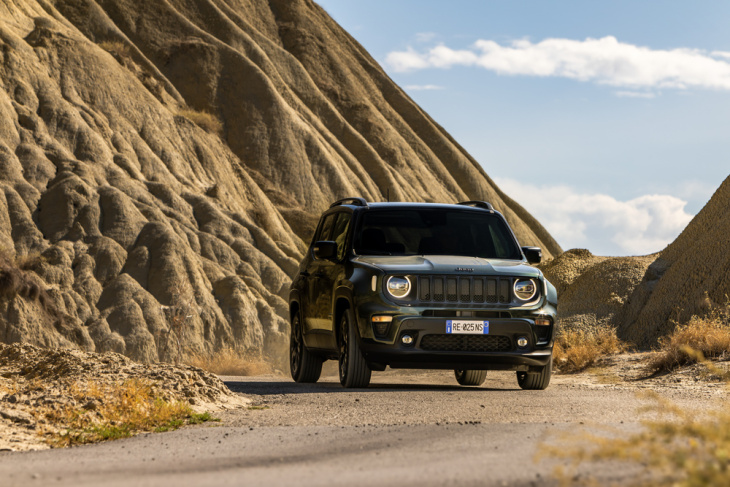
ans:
(354, 371)
(303, 364)
(536, 380)
(470, 377)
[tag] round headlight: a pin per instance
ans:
(525, 290)
(398, 286)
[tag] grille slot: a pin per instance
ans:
(438, 289)
(424, 289)
(451, 289)
(478, 290)
(504, 294)
(466, 343)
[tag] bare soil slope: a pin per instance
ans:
(691, 277)
(163, 163)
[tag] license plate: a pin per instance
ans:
(467, 327)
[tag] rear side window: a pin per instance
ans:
(339, 235)
(325, 229)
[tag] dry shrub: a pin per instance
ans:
(117, 49)
(115, 411)
(205, 120)
(228, 361)
(576, 350)
(707, 337)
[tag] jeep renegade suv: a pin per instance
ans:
(417, 285)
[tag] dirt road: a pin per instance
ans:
(406, 429)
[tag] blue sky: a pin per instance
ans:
(609, 121)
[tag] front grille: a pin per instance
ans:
(466, 343)
(465, 289)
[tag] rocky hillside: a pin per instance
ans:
(162, 165)
(691, 277)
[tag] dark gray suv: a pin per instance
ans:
(419, 285)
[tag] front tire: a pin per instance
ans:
(470, 377)
(304, 365)
(354, 371)
(536, 380)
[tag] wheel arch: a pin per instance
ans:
(294, 307)
(342, 303)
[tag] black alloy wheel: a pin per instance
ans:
(354, 371)
(304, 366)
(536, 380)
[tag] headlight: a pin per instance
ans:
(525, 290)
(398, 286)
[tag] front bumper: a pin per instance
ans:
(434, 349)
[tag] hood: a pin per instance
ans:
(448, 264)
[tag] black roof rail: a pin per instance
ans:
(355, 202)
(480, 204)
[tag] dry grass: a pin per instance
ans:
(228, 361)
(116, 48)
(114, 411)
(205, 120)
(682, 448)
(701, 338)
(679, 447)
(576, 350)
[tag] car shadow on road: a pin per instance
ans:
(269, 388)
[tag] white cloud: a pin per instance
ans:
(425, 36)
(423, 87)
(599, 222)
(604, 61)
(635, 94)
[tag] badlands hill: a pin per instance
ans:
(162, 165)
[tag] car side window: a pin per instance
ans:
(339, 235)
(325, 230)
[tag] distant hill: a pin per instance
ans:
(162, 164)
(691, 276)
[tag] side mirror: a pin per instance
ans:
(532, 254)
(325, 250)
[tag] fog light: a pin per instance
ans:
(522, 342)
(407, 340)
(380, 323)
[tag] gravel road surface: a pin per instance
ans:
(408, 428)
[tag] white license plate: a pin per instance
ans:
(467, 327)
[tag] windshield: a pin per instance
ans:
(435, 232)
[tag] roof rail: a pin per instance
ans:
(355, 202)
(480, 204)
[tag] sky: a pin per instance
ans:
(608, 121)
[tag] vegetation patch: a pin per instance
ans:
(117, 49)
(679, 447)
(113, 411)
(707, 337)
(576, 350)
(228, 361)
(205, 120)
